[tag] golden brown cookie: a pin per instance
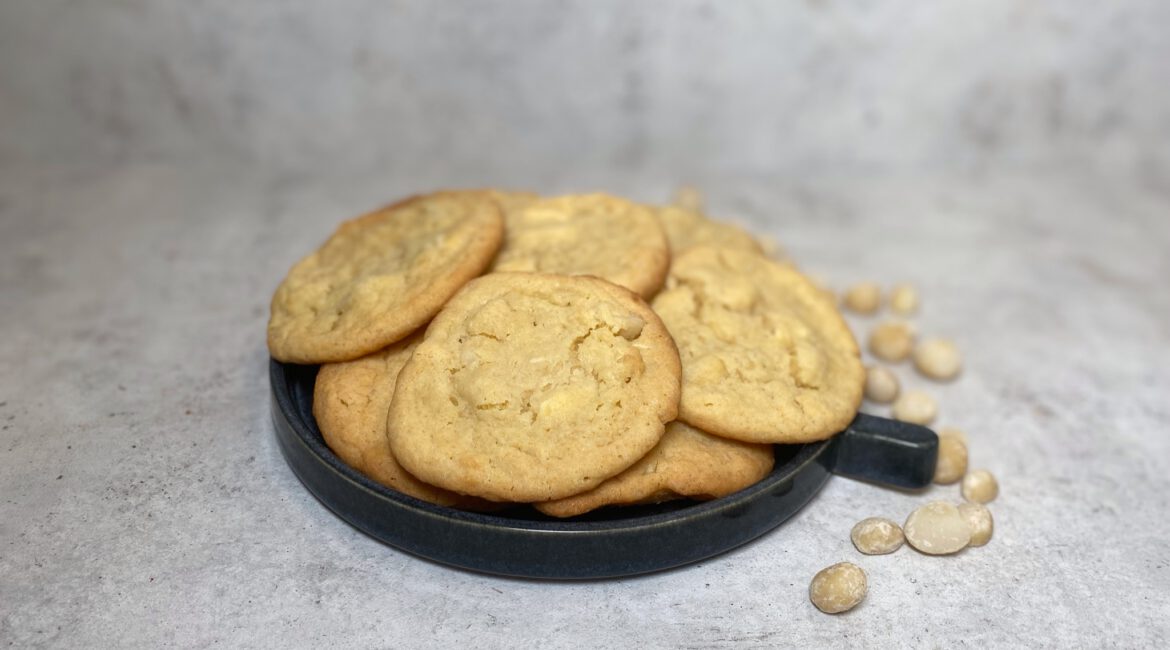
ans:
(766, 356)
(381, 276)
(686, 229)
(587, 234)
(350, 402)
(686, 463)
(533, 387)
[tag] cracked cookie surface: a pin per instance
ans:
(381, 276)
(686, 463)
(766, 356)
(350, 403)
(586, 234)
(533, 387)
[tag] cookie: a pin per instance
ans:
(588, 234)
(511, 201)
(686, 229)
(381, 276)
(686, 463)
(766, 356)
(533, 387)
(350, 402)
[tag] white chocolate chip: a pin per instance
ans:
(952, 460)
(838, 588)
(916, 407)
(937, 528)
(738, 294)
(891, 341)
(881, 385)
(863, 298)
(877, 536)
(631, 327)
(980, 486)
(904, 299)
(938, 359)
(979, 520)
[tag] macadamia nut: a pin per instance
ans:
(952, 432)
(877, 536)
(863, 298)
(891, 341)
(881, 385)
(916, 407)
(938, 359)
(688, 198)
(952, 460)
(904, 299)
(978, 519)
(980, 487)
(838, 588)
(937, 528)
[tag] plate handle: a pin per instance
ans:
(886, 451)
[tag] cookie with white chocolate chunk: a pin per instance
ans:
(766, 356)
(381, 276)
(533, 387)
(584, 234)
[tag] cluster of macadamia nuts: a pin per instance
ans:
(895, 341)
(939, 527)
(934, 528)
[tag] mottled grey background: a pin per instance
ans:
(162, 164)
(677, 89)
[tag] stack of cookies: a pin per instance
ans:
(481, 348)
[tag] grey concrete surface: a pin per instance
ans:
(694, 86)
(143, 501)
(163, 164)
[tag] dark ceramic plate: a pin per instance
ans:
(606, 543)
